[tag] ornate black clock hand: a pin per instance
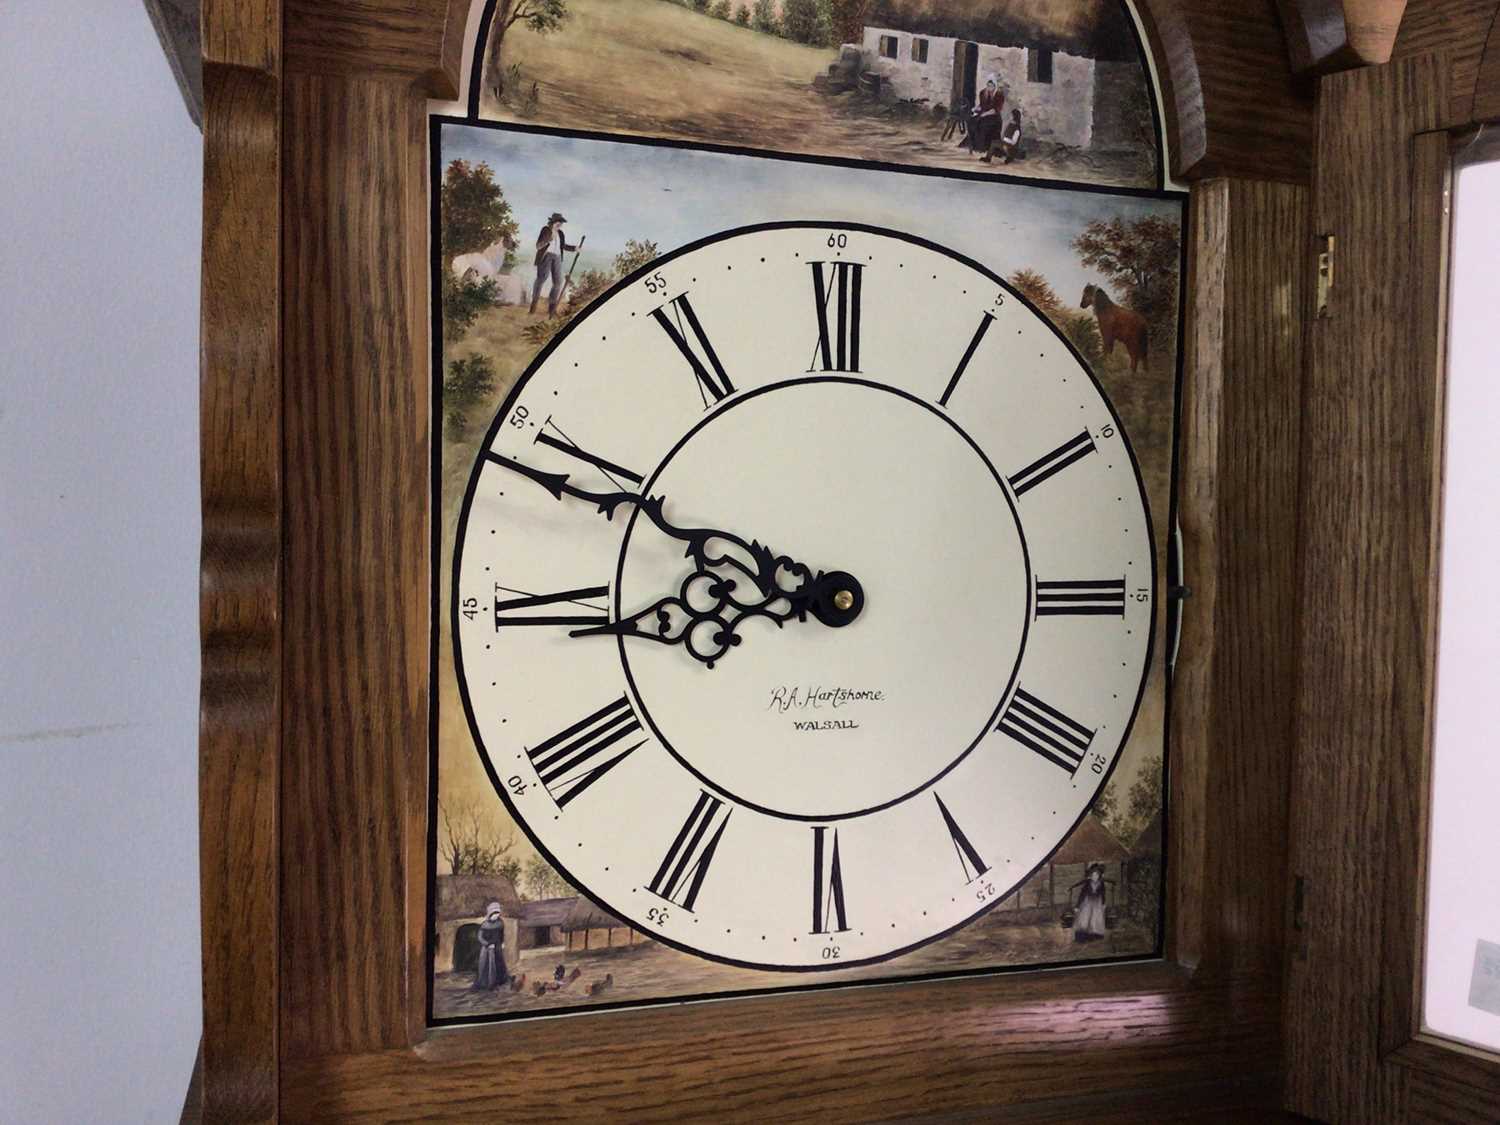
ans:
(705, 614)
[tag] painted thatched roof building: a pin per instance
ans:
(1072, 67)
(542, 921)
(460, 902)
(590, 927)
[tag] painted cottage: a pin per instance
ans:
(1065, 97)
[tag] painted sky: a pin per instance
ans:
(612, 191)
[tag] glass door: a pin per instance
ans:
(1461, 975)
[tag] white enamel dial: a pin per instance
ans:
(803, 595)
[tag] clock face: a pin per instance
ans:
(803, 595)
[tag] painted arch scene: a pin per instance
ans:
(1043, 89)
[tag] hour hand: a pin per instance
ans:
(706, 613)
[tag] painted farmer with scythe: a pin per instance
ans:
(551, 245)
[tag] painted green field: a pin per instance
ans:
(657, 68)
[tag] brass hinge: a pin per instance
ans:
(1327, 243)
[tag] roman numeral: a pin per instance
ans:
(963, 364)
(828, 883)
(1081, 599)
(712, 379)
(572, 760)
(1052, 464)
(680, 876)
(838, 341)
(564, 444)
(968, 857)
(1045, 730)
(506, 610)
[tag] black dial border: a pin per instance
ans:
(988, 728)
(455, 600)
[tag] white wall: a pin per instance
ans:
(99, 229)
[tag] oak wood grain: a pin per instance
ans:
(943, 1048)
(240, 595)
(1364, 564)
(417, 41)
(1434, 1099)
(1372, 27)
(1437, 1062)
(242, 33)
(1232, 105)
(1486, 104)
(1233, 697)
(1329, 35)
(356, 558)
(349, 785)
(1460, 30)
(1408, 780)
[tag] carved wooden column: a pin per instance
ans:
(240, 617)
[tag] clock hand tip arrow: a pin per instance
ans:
(554, 483)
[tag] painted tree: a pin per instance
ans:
(637, 254)
(802, 21)
(1107, 806)
(763, 17)
(847, 18)
(510, 867)
(474, 210)
(470, 382)
(1077, 325)
(471, 841)
(1038, 290)
(1141, 258)
(544, 882)
(541, 16)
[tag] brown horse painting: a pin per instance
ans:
(1116, 322)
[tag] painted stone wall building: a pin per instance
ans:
(1064, 98)
(1053, 888)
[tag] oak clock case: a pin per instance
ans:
(741, 479)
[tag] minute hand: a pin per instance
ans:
(761, 570)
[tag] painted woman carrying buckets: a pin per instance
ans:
(1088, 910)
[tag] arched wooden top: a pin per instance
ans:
(1465, 32)
(1233, 106)
(1486, 105)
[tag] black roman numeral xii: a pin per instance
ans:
(836, 291)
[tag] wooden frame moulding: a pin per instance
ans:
(1371, 504)
(321, 805)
